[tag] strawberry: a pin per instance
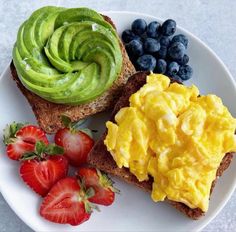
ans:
(67, 203)
(20, 138)
(76, 143)
(41, 169)
(104, 192)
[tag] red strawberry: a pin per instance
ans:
(21, 138)
(41, 171)
(76, 144)
(66, 203)
(101, 184)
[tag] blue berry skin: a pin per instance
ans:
(173, 67)
(185, 72)
(128, 35)
(176, 51)
(153, 29)
(139, 26)
(180, 38)
(161, 66)
(165, 41)
(146, 63)
(184, 60)
(151, 45)
(162, 52)
(134, 48)
(168, 27)
(176, 78)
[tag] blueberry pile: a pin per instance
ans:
(154, 47)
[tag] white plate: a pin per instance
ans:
(133, 209)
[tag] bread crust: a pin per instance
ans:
(102, 159)
(48, 114)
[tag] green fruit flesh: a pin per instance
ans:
(67, 56)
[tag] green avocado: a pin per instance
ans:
(67, 56)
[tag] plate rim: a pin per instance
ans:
(225, 68)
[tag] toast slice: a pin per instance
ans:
(49, 114)
(102, 159)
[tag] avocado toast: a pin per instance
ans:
(48, 113)
(102, 159)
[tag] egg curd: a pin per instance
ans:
(174, 135)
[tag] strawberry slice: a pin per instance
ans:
(41, 170)
(66, 203)
(76, 143)
(16, 149)
(20, 138)
(100, 183)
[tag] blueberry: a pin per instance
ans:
(165, 41)
(176, 51)
(168, 27)
(180, 38)
(185, 72)
(173, 67)
(146, 63)
(161, 66)
(162, 52)
(183, 60)
(134, 48)
(128, 35)
(175, 77)
(153, 29)
(151, 45)
(139, 26)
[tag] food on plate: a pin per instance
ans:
(41, 169)
(69, 61)
(70, 200)
(104, 192)
(20, 138)
(168, 140)
(163, 136)
(67, 203)
(168, 28)
(76, 143)
(44, 168)
(154, 47)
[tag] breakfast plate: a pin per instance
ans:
(133, 209)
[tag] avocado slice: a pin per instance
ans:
(67, 56)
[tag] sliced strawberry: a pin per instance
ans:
(18, 148)
(20, 138)
(77, 145)
(42, 175)
(101, 184)
(42, 168)
(66, 203)
(32, 134)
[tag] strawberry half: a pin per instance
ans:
(41, 170)
(66, 203)
(76, 143)
(20, 138)
(104, 192)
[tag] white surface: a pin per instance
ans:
(133, 209)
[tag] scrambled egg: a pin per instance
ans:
(174, 135)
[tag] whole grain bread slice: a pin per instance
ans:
(49, 114)
(102, 159)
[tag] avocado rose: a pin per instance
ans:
(67, 56)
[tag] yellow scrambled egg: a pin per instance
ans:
(174, 135)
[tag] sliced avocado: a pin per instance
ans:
(44, 27)
(26, 71)
(67, 56)
(89, 77)
(75, 15)
(67, 37)
(84, 36)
